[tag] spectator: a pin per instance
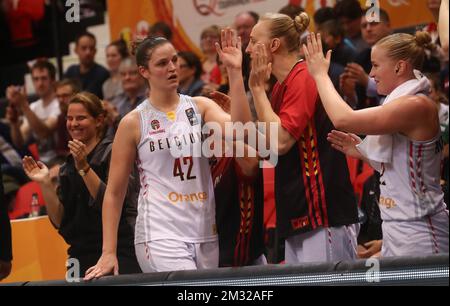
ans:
(40, 118)
(190, 73)
(161, 29)
(291, 10)
(5, 236)
(244, 23)
(76, 208)
(211, 72)
(115, 53)
(322, 15)
(90, 74)
(333, 37)
(357, 73)
(65, 89)
(349, 13)
(134, 87)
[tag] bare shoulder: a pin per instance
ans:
(129, 126)
(423, 104)
(417, 103)
(130, 120)
(202, 103)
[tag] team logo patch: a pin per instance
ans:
(190, 114)
(171, 116)
(155, 125)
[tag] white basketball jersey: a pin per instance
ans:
(410, 185)
(176, 199)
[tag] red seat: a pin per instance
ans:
(21, 205)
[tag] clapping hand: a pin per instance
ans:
(36, 171)
(78, 151)
(16, 96)
(355, 71)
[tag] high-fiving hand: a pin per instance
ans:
(317, 64)
(230, 50)
(261, 68)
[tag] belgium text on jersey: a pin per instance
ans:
(212, 139)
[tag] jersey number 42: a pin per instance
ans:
(178, 169)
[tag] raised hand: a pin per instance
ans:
(106, 265)
(16, 96)
(261, 68)
(36, 171)
(230, 52)
(345, 142)
(317, 64)
(78, 151)
(12, 115)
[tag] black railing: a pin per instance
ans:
(431, 270)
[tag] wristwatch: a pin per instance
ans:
(83, 172)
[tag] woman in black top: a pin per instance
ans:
(75, 208)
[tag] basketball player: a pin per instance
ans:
(315, 205)
(407, 147)
(239, 197)
(175, 227)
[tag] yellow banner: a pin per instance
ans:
(39, 252)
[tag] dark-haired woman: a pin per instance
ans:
(175, 227)
(116, 51)
(76, 207)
